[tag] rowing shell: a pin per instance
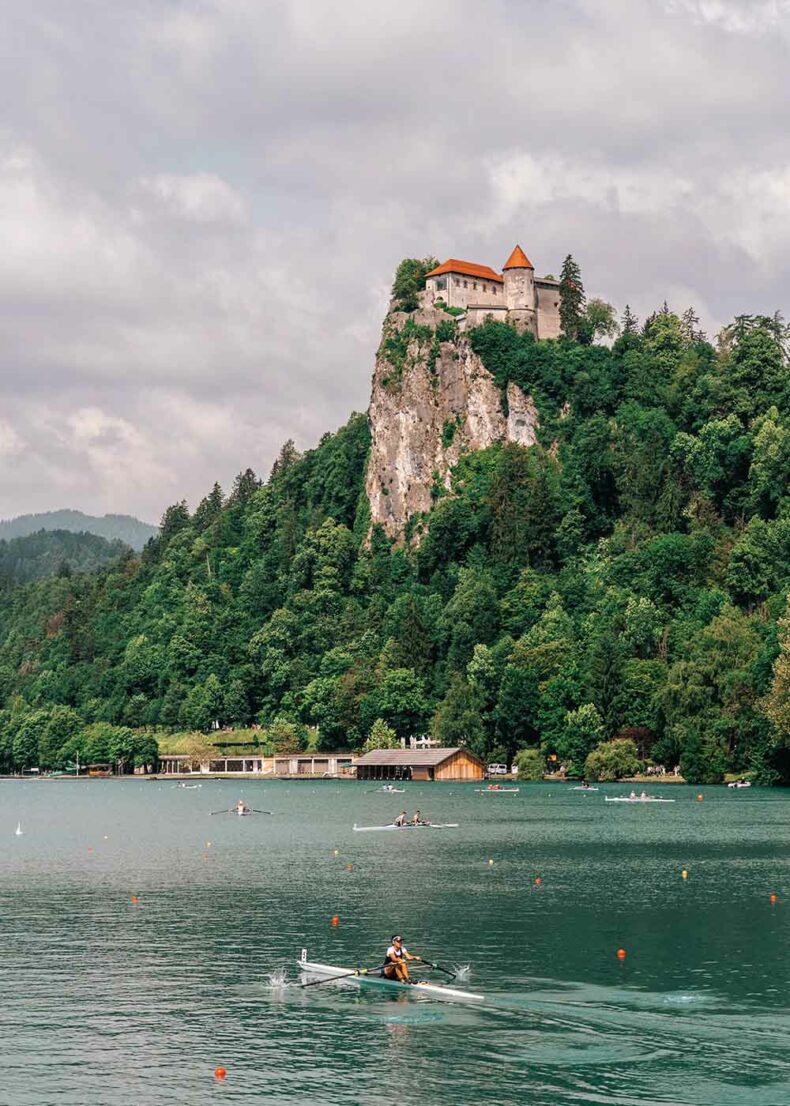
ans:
(409, 825)
(584, 789)
(496, 790)
(430, 990)
(625, 799)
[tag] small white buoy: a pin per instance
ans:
(19, 829)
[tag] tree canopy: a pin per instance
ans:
(626, 575)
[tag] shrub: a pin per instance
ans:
(611, 760)
(531, 764)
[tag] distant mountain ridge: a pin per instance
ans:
(123, 528)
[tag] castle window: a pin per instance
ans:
(475, 286)
(465, 284)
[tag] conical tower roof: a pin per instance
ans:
(518, 260)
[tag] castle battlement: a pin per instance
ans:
(515, 295)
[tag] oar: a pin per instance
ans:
(438, 967)
(332, 978)
(254, 811)
(219, 812)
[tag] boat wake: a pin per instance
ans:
(462, 972)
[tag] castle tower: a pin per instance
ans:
(519, 274)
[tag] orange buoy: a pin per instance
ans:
(349, 867)
(700, 797)
(772, 899)
(135, 898)
(621, 954)
(335, 920)
(220, 1073)
(538, 881)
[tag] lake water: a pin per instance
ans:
(108, 1001)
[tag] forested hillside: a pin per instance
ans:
(123, 528)
(51, 552)
(624, 577)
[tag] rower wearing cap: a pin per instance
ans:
(395, 966)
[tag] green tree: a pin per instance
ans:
(599, 321)
(63, 723)
(531, 764)
(572, 298)
(400, 700)
(611, 760)
(410, 281)
(517, 709)
(285, 736)
(30, 732)
(457, 720)
(582, 732)
(381, 736)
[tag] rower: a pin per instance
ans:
(400, 821)
(242, 807)
(417, 820)
(395, 966)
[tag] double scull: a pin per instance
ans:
(407, 826)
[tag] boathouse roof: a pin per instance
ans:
(409, 757)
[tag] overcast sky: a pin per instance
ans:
(202, 203)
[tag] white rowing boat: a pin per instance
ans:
(636, 799)
(740, 783)
(496, 790)
(408, 826)
(584, 789)
(391, 790)
(419, 987)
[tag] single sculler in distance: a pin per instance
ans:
(328, 973)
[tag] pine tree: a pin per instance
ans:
(630, 323)
(690, 326)
(572, 298)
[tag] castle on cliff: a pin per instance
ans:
(514, 295)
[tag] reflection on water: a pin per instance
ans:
(145, 943)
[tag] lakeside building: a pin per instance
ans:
(249, 764)
(515, 295)
(419, 764)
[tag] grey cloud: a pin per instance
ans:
(202, 202)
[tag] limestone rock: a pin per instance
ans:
(432, 402)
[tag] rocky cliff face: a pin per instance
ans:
(432, 402)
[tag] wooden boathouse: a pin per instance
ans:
(419, 764)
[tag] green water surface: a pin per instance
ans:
(108, 1001)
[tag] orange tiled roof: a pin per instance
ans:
(466, 268)
(518, 260)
